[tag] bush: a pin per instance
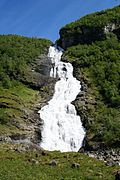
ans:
(100, 64)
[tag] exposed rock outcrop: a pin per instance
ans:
(29, 124)
(91, 28)
(111, 157)
(87, 34)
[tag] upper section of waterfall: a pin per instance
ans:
(55, 56)
(62, 127)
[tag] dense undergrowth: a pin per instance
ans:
(100, 65)
(17, 58)
(17, 54)
(92, 44)
(95, 20)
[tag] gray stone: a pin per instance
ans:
(75, 165)
(117, 176)
(34, 161)
(53, 163)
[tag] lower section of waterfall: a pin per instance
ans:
(62, 127)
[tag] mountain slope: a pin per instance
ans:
(90, 28)
(24, 87)
(92, 45)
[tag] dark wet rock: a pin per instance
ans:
(18, 137)
(44, 153)
(75, 165)
(38, 75)
(33, 161)
(110, 157)
(117, 176)
(87, 34)
(53, 163)
(82, 150)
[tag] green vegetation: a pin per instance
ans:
(17, 59)
(35, 166)
(95, 20)
(13, 103)
(100, 65)
(97, 64)
(92, 45)
(17, 54)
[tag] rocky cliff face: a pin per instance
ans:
(91, 28)
(87, 35)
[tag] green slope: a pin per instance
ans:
(97, 64)
(17, 54)
(18, 98)
(94, 27)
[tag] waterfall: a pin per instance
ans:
(62, 127)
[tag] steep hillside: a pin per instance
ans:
(92, 45)
(24, 86)
(90, 28)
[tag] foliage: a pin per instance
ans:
(103, 61)
(17, 56)
(95, 20)
(100, 64)
(17, 53)
(13, 104)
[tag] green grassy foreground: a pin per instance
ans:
(37, 166)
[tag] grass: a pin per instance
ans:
(19, 166)
(15, 101)
(18, 60)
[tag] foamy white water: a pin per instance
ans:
(62, 127)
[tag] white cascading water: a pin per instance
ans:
(62, 127)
